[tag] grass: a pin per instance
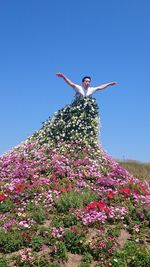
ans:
(138, 169)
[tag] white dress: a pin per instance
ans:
(80, 90)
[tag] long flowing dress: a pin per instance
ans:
(78, 121)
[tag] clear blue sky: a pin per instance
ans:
(106, 39)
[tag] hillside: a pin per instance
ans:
(65, 202)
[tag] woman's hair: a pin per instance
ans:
(86, 77)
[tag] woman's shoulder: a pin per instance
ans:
(79, 89)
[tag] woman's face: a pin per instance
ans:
(86, 83)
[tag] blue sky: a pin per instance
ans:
(106, 39)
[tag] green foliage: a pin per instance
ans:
(53, 265)
(131, 255)
(73, 199)
(64, 220)
(25, 264)
(74, 241)
(38, 214)
(44, 261)
(84, 264)
(69, 200)
(44, 231)
(37, 242)
(3, 261)
(6, 206)
(10, 241)
(69, 220)
(89, 196)
(115, 232)
(60, 251)
(86, 260)
(147, 216)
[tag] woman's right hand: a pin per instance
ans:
(59, 74)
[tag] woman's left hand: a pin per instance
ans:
(114, 83)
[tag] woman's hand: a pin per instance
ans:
(114, 83)
(67, 80)
(59, 74)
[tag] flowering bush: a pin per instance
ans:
(78, 121)
(25, 257)
(103, 246)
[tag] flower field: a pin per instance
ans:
(62, 195)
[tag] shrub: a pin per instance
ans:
(69, 220)
(84, 264)
(37, 242)
(44, 261)
(89, 196)
(38, 215)
(6, 206)
(86, 260)
(3, 261)
(44, 231)
(74, 199)
(74, 242)
(131, 255)
(102, 245)
(64, 220)
(10, 241)
(69, 200)
(60, 251)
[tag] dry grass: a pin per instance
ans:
(138, 169)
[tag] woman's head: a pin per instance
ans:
(86, 81)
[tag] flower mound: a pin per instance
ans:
(60, 192)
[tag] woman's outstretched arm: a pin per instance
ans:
(67, 80)
(105, 85)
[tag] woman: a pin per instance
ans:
(78, 121)
(85, 89)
